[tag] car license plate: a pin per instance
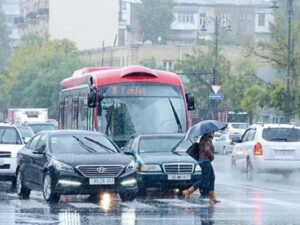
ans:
(284, 153)
(103, 181)
(179, 177)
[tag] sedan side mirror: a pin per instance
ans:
(127, 151)
(236, 139)
(39, 151)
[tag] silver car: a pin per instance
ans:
(269, 148)
(224, 143)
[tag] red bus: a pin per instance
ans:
(121, 102)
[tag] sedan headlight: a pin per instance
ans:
(131, 166)
(61, 166)
(150, 168)
(198, 168)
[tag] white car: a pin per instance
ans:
(269, 148)
(224, 143)
(10, 144)
(236, 128)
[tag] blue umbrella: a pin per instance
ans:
(204, 127)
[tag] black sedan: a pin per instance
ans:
(159, 165)
(74, 162)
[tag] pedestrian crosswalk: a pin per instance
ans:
(157, 203)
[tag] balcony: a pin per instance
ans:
(19, 20)
(31, 15)
(43, 12)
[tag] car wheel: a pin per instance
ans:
(48, 190)
(127, 196)
(249, 171)
(22, 191)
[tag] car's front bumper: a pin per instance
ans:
(72, 183)
(161, 181)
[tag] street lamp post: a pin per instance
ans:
(288, 94)
(215, 72)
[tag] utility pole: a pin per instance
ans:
(215, 72)
(288, 92)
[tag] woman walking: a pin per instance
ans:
(206, 156)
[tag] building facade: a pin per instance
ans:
(245, 19)
(10, 8)
(88, 24)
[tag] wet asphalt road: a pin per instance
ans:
(269, 199)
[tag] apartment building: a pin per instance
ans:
(88, 23)
(196, 20)
(10, 8)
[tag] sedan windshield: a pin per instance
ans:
(81, 144)
(9, 135)
(158, 144)
(40, 127)
(25, 132)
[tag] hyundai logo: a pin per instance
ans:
(101, 169)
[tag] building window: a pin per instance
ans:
(261, 20)
(168, 65)
(185, 18)
(202, 19)
(242, 17)
(249, 17)
(225, 18)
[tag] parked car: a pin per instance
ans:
(160, 167)
(236, 128)
(271, 148)
(74, 162)
(10, 144)
(40, 126)
(26, 133)
(224, 143)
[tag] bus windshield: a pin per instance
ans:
(140, 108)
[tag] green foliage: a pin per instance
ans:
(155, 18)
(198, 68)
(5, 49)
(151, 63)
(33, 77)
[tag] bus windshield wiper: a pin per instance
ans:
(176, 117)
(109, 118)
(89, 149)
(98, 143)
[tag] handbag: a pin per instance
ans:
(193, 151)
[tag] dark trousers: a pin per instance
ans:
(207, 181)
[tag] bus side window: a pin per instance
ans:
(68, 114)
(61, 115)
(82, 114)
(75, 114)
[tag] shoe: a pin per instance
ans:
(212, 198)
(188, 192)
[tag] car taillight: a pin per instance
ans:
(258, 149)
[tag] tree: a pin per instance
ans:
(4, 42)
(155, 18)
(33, 77)
(198, 68)
(276, 52)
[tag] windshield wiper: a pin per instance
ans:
(109, 118)
(89, 149)
(98, 143)
(176, 117)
